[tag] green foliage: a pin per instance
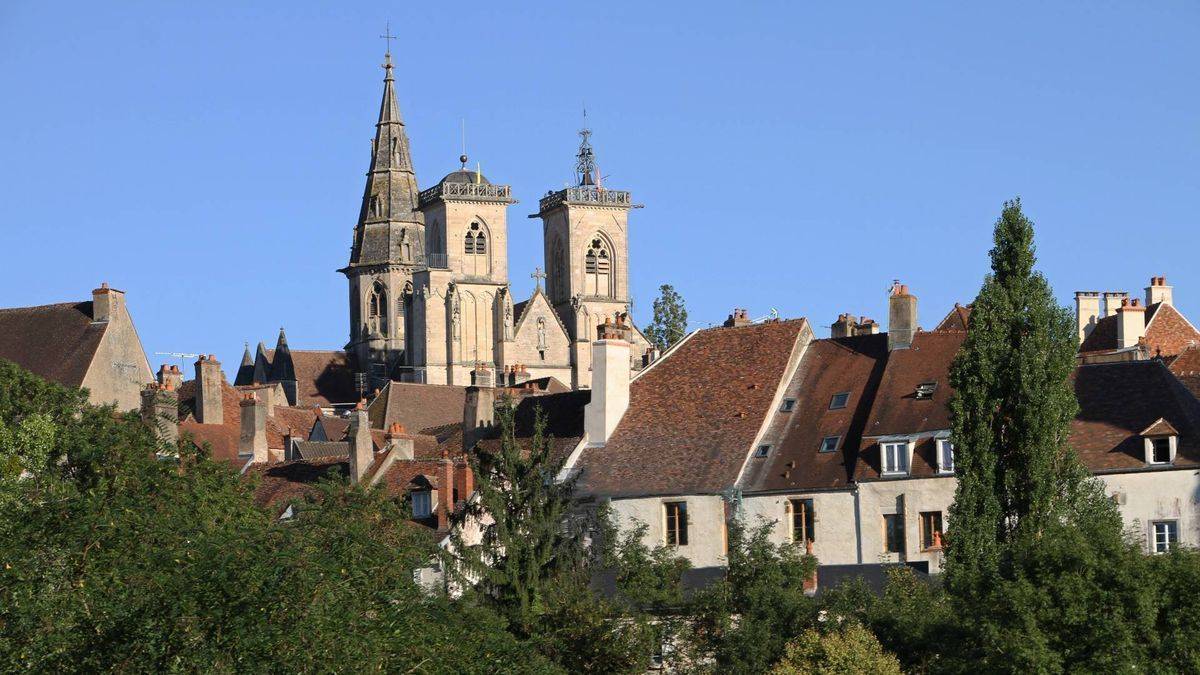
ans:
(670, 318)
(584, 633)
(847, 649)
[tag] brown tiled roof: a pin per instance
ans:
(564, 423)
(957, 319)
(56, 342)
(222, 438)
(1186, 367)
(693, 416)
(1167, 332)
(285, 481)
(417, 406)
(851, 365)
(310, 450)
(897, 410)
(323, 378)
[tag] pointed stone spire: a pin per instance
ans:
(247, 360)
(245, 372)
(282, 368)
(262, 364)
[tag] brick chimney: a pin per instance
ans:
(866, 327)
(479, 414)
(1158, 291)
(1113, 300)
(445, 502)
(361, 451)
(106, 303)
(520, 374)
(252, 441)
(160, 410)
(843, 327)
(1087, 312)
(740, 317)
(1131, 323)
(400, 444)
(902, 317)
(210, 382)
(168, 374)
(482, 376)
(610, 380)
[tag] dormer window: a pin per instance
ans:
(945, 456)
(830, 443)
(925, 390)
(1160, 442)
(789, 404)
(839, 400)
(422, 503)
(894, 458)
(762, 450)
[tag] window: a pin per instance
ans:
(677, 526)
(377, 305)
(931, 529)
(893, 532)
(422, 504)
(762, 450)
(597, 268)
(839, 400)
(789, 404)
(803, 520)
(925, 390)
(830, 443)
(895, 458)
(1166, 535)
(1160, 450)
(475, 242)
(945, 456)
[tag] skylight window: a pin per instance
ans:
(839, 400)
(830, 443)
(925, 390)
(789, 404)
(762, 450)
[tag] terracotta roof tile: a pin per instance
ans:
(417, 406)
(1167, 332)
(56, 342)
(957, 319)
(323, 378)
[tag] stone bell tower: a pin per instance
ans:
(389, 244)
(586, 239)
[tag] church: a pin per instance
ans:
(429, 293)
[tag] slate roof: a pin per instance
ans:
(564, 422)
(694, 414)
(56, 342)
(1167, 332)
(323, 378)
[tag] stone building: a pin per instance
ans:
(93, 345)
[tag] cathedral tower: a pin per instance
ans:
(587, 254)
(389, 243)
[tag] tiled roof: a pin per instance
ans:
(957, 319)
(417, 406)
(310, 450)
(694, 415)
(1186, 367)
(56, 342)
(222, 438)
(564, 422)
(852, 365)
(1167, 332)
(897, 409)
(285, 481)
(323, 378)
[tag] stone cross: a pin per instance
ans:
(387, 35)
(537, 277)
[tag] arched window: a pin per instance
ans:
(597, 269)
(377, 310)
(475, 250)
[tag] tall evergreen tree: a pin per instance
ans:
(670, 318)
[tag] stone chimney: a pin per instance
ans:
(106, 303)
(1087, 312)
(1131, 323)
(843, 327)
(610, 380)
(479, 414)
(160, 410)
(482, 376)
(1158, 291)
(902, 317)
(1113, 300)
(252, 441)
(520, 374)
(210, 381)
(168, 374)
(362, 454)
(740, 317)
(866, 327)
(400, 445)
(445, 503)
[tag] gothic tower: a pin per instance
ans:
(389, 244)
(587, 254)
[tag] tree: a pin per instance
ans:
(670, 319)
(847, 649)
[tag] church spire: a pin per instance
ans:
(585, 161)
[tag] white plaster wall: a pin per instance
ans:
(1158, 495)
(706, 525)
(834, 540)
(909, 496)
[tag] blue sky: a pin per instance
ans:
(208, 158)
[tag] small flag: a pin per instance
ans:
(478, 174)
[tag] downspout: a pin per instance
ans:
(858, 542)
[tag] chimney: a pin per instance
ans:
(866, 327)
(1087, 312)
(843, 327)
(106, 303)
(1158, 291)
(740, 317)
(253, 438)
(1131, 324)
(445, 503)
(902, 317)
(810, 584)
(1113, 300)
(171, 375)
(520, 374)
(209, 385)
(361, 451)
(479, 414)
(610, 381)
(160, 410)
(401, 446)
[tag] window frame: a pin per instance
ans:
(833, 400)
(927, 541)
(762, 450)
(941, 466)
(1171, 532)
(808, 519)
(675, 523)
(904, 452)
(894, 534)
(837, 442)
(426, 496)
(788, 405)
(1154, 447)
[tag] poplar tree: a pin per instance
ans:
(670, 318)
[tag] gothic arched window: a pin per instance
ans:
(475, 250)
(597, 269)
(377, 310)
